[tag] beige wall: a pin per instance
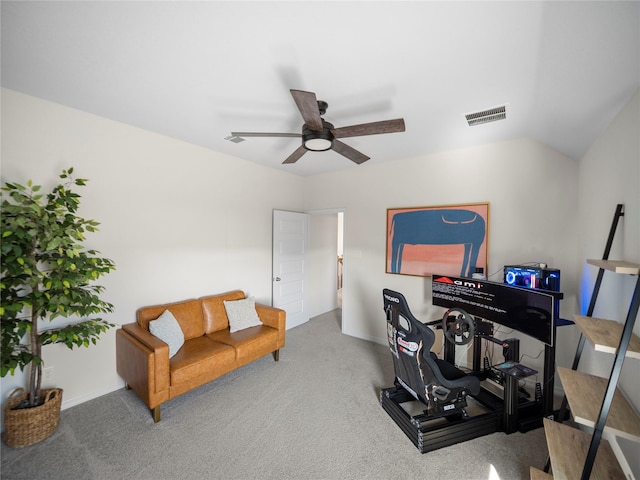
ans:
(532, 191)
(179, 221)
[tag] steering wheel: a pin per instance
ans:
(462, 327)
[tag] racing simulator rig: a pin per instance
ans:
(437, 404)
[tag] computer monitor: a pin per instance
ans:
(529, 311)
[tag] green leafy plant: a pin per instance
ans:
(46, 273)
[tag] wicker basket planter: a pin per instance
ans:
(26, 426)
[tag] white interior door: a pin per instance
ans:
(290, 249)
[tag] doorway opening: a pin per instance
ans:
(327, 264)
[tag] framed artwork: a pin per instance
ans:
(445, 240)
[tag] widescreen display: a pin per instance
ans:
(525, 310)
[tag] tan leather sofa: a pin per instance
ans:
(210, 350)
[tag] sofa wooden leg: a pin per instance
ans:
(276, 355)
(155, 411)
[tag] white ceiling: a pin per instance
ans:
(198, 70)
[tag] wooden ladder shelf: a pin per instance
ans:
(596, 402)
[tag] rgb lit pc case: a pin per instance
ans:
(532, 277)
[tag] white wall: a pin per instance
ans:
(532, 191)
(179, 221)
(610, 174)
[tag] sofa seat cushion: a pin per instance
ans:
(249, 342)
(200, 356)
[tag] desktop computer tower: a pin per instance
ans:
(532, 277)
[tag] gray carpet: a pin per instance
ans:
(315, 414)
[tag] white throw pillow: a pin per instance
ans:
(241, 314)
(167, 329)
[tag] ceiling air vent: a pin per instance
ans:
(486, 116)
(234, 138)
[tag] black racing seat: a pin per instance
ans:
(436, 383)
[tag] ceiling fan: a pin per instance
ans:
(319, 135)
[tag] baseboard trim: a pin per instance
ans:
(72, 402)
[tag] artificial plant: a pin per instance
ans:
(47, 273)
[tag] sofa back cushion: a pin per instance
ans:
(215, 315)
(188, 313)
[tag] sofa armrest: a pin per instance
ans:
(275, 318)
(146, 338)
(142, 360)
(272, 317)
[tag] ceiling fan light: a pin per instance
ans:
(317, 140)
(317, 144)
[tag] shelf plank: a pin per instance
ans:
(604, 335)
(568, 451)
(616, 266)
(535, 474)
(585, 393)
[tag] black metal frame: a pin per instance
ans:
(428, 437)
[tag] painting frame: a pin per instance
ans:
(437, 240)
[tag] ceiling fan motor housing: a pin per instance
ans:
(322, 106)
(318, 140)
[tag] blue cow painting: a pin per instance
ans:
(444, 226)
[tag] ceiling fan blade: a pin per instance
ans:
(308, 105)
(349, 152)
(373, 128)
(264, 134)
(293, 158)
